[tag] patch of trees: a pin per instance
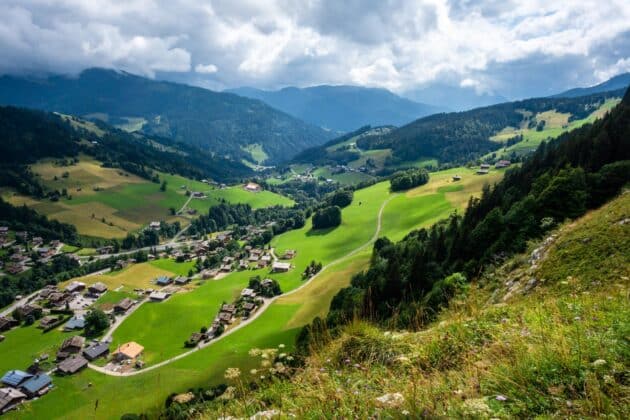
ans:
(409, 281)
(96, 321)
(225, 215)
(266, 289)
(23, 218)
(341, 198)
(312, 269)
(408, 179)
(327, 217)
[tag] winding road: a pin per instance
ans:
(260, 311)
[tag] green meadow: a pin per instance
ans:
(163, 327)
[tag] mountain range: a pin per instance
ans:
(617, 82)
(342, 108)
(221, 123)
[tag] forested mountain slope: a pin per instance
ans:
(218, 122)
(27, 136)
(342, 108)
(459, 137)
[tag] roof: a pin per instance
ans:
(100, 287)
(76, 323)
(7, 395)
(158, 295)
(96, 350)
(15, 377)
(281, 265)
(76, 341)
(163, 280)
(125, 304)
(131, 350)
(72, 364)
(36, 383)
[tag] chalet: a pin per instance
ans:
(7, 323)
(155, 225)
(77, 322)
(266, 258)
(243, 265)
(95, 351)
(248, 293)
(4, 230)
(197, 194)
(482, 171)
(22, 235)
(195, 338)
(224, 236)
(502, 164)
(10, 398)
(120, 264)
(289, 254)
(19, 258)
(225, 317)
(15, 268)
(46, 291)
(262, 264)
(48, 322)
(484, 166)
(249, 307)
(27, 310)
(37, 386)
(75, 286)
(128, 351)
(252, 187)
(59, 299)
(181, 280)
(254, 258)
(123, 306)
(72, 365)
(163, 281)
(229, 308)
(256, 251)
(266, 282)
(105, 250)
(226, 268)
(37, 241)
(97, 288)
(73, 344)
(55, 243)
(228, 260)
(280, 267)
(457, 178)
(15, 378)
(159, 296)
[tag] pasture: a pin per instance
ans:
(135, 276)
(163, 327)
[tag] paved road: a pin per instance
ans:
(262, 309)
(9, 309)
(120, 319)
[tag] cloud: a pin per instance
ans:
(488, 45)
(206, 68)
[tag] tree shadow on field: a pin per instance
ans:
(321, 232)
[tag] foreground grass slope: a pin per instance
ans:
(509, 347)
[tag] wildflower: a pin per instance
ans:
(280, 346)
(253, 371)
(232, 373)
(476, 407)
(391, 400)
(289, 358)
(268, 414)
(265, 363)
(598, 363)
(229, 393)
(405, 412)
(282, 355)
(254, 352)
(501, 398)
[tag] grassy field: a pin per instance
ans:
(180, 269)
(555, 124)
(163, 327)
(135, 276)
(257, 153)
(110, 203)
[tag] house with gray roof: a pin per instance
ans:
(37, 385)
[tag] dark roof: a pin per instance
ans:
(76, 341)
(8, 396)
(15, 377)
(124, 304)
(72, 364)
(96, 350)
(36, 383)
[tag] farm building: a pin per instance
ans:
(75, 286)
(15, 378)
(159, 296)
(229, 308)
(502, 164)
(181, 280)
(248, 293)
(72, 365)
(155, 225)
(37, 385)
(97, 288)
(10, 398)
(128, 351)
(249, 307)
(163, 281)
(482, 171)
(77, 322)
(457, 178)
(48, 321)
(96, 350)
(209, 274)
(123, 306)
(225, 317)
(252, 187)
(484, 166)
(73, 344)
(7, 323)
(289, 254)
(280, 267)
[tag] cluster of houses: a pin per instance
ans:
(484, 168)
(18, 386)
(22, 249)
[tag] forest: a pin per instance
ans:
(406, 282)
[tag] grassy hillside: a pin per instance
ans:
(126, 202)
(163, 327)
(507, 347)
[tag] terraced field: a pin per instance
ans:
(162, 327)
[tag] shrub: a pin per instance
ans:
(327, 217)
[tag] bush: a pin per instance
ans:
(341, 198)
(408, 179)
(327, 217)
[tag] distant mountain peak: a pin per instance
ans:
(619, 81)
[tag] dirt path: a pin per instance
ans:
(262, 309)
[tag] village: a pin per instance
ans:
(66, 308)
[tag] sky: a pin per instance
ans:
(512, 48)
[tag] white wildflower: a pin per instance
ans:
(232, 373)
(598, 363)
(391, 400)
